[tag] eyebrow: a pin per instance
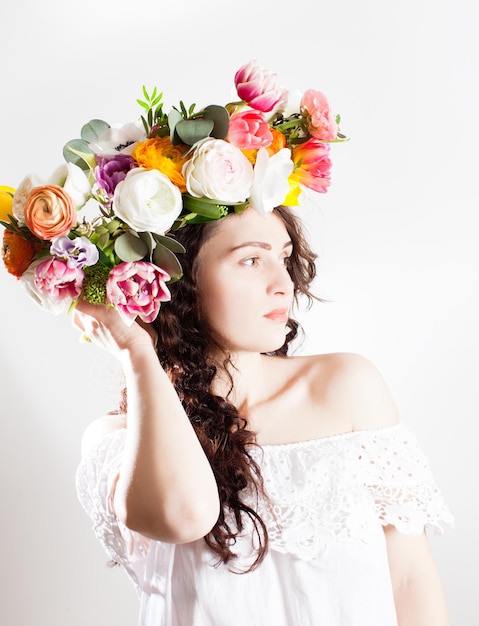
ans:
(259, 244)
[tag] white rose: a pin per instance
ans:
(270, 184)
(27, 280)
(74, 181)
(219, 171)
(24, 189)
(147, 200)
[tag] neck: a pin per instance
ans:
(243, 382)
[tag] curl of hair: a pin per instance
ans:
(184, 343)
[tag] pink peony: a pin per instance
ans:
(57, 280)
(137, 289)
(258, 87)
(321, 121)
(249, 130)
(314, 165)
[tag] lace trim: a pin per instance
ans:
(325, 490)
(337, 488)
(95, 482)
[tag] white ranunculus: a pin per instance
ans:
(147, 200)
(117, 139)
(74, 181)
(219, 171)
(270, 185)
(27, 280)
(24, 189)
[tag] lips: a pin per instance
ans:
(278, 315)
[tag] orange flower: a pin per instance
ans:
(278, 143)
(50, 212)
(158, 153)
(17, 253)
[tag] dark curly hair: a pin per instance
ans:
(185, 342)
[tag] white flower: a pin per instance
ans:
(119, 139)
(74, 181)
(27, 280)
(23, 191)
(270, 185)
(293, 103)
(147, 200)
(219, 171)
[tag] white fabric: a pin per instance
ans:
(327, 563)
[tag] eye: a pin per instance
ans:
(250, 261)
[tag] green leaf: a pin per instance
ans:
(171, 244)
(93, 129)
(164, 258)
(221, 120)
(78, 151)
(209, 209)
(148, 240)
(130, 247)
(191, 131)
(174, 117)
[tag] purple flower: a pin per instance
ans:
(111, 170)
(76, 252)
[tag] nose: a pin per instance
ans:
(280, 280)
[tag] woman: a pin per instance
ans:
(244, 486)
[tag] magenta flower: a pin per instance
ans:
(59, 281)
(258, 87)
(320, 120)
(313, 168)
(249, 130)
(137, 289)
(111, 170)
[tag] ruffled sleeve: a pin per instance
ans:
(399, 477)
(95, 480)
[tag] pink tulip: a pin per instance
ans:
(54, 278)
(249, 130)
(314, 165)
(137, 289)
(258, 87)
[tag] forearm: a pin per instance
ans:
(420, 602)
(166, 488)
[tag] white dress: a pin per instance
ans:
(327, 563)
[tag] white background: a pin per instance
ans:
(397, 235)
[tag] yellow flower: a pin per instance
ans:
(292, 198)
(158, 153)
(6, 200)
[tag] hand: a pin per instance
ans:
(103, 325)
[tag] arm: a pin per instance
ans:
(166, 489)
(418, 593)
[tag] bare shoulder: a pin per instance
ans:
(100, 427)
(351, 386)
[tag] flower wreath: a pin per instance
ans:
(102, 227)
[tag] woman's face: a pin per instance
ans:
(244, 286)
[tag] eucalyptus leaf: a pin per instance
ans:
(103, 240)
(191, 131)
(171, 244)
(77, 151)
(149, 241)
(164, 258)
(221, 120)
(174, 116)
(93, 129)
(129, 247)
